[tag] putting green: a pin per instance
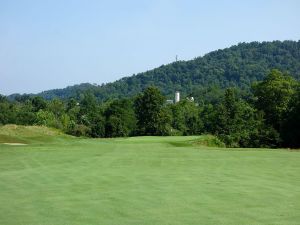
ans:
(146, 180)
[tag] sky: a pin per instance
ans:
(56, 43)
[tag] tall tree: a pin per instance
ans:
(186, 118)
(148, 106)
(291, 124)
(38, 103)
(239, 125)
(120, 118)
(25, 114)
(7, 111)
(273, 96)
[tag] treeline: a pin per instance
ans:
(268, 117)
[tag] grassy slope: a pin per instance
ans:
(146, 180)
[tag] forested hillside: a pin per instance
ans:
(237, 66)
(204, 77)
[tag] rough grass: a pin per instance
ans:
(146, 180)
(29, 134)
(209, 141)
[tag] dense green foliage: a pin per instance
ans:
(148, 108)
(291, 122)
(57, 179)
(205, 77)
(120, 118)
(269, 118)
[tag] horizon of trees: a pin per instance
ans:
(268, 117)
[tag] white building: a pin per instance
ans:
(177, 96)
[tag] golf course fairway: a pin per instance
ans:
(145, 180)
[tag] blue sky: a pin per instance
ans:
(55, 43)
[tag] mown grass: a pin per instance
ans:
(145, 180)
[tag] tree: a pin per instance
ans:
(164, 123)
(186, 118)
(120, 118)
(115, 127)
(57, 107)
(290, 130)
(7, 111)
(25, 114)
(88, 104)
(178, 119)
(273, 96)
(46, 118)
(38, 103)
(238, 124)
(147, 107)
(97, 125)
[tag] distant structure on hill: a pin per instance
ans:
(170, 101)
(176, 99)
(190, 99)
(177, 96)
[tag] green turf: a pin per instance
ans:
(145, 180)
